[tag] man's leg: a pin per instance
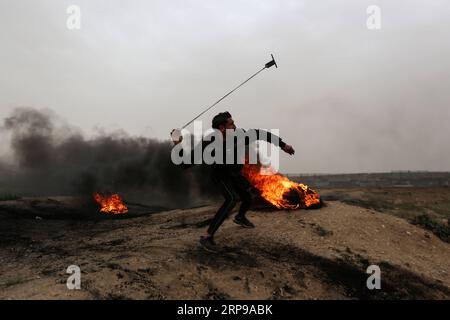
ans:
(242, 188)
(246, 201)
(231, 197)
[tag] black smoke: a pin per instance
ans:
(52, 158)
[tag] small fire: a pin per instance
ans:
(110, 204)
(279, 190)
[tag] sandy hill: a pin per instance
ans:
(316, 254)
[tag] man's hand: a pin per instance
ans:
(176, 136)
(288, 149)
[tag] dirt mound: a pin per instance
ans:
(321, 254)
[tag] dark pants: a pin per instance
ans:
(234, 188)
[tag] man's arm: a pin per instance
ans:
(202, 144)
(176, 142)
(271, 138)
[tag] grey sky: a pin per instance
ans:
(347, 98)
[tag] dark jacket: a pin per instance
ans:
(221, 169)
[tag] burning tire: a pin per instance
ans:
(279, 191)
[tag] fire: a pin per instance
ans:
(111, 204)
(278, 189)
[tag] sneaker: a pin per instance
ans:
(243, 221)
(208, 244)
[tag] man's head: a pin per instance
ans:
(223, 121)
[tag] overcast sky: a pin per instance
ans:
(348, 99)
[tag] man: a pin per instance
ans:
(233, 185)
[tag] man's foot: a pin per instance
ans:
(208, 244)
(243, 221)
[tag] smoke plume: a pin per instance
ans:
(52, 158)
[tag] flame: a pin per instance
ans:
(111, 204)
(275, 188)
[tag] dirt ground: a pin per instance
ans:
(301, 254)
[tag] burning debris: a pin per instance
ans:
(281, 192)
(112, 204)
